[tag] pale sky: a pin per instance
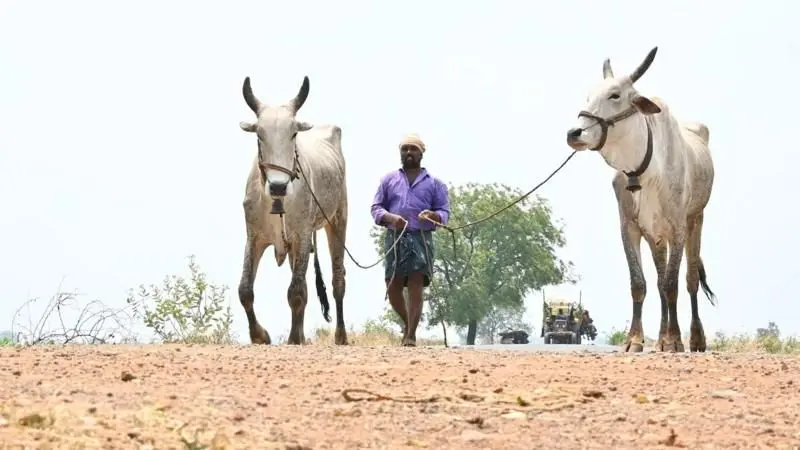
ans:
(121, 154)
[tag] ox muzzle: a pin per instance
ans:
(278, 190)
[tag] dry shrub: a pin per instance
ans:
(745, 343)
(65, 320)
(372, 333)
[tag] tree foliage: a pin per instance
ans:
(495, 263)
(181, 310)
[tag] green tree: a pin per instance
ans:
(185, 310)
(497, 262)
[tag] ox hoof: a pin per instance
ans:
(634, 347)
(296, 341)
(340, 337)
(697, 339)
(409, 342)
(260, 336)
(671, 346)
(697, 345)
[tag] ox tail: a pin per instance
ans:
(321, 291)
(701, 269)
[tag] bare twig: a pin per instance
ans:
(95, 323)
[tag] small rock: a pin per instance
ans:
(641, 398)
(220, 441)
(593, 393)
(89, 421)
(127, 376)
(515, 415)
(478, 421)
(472, 435)
(470, 397)
(729, 394)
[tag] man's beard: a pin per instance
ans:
(411, 163)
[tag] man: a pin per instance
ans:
(409, 196)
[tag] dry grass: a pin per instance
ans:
(368, 336)
(744, 343)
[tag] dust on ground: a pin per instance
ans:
(288, 397)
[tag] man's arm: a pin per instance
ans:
(441, 203)
(378, 202)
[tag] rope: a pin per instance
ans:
(385, 254)
(371, 396)
(452, 230)
(494, 214)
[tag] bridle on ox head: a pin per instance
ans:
(294, 174)
(633, 177)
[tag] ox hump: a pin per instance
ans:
(698, 129)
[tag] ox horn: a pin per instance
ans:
(607, 72)
(249, 97)
(636, 74)
(302, 95)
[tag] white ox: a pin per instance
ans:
(663, 183)
(296, 161)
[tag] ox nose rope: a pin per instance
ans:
(451, 229)
(496, 213)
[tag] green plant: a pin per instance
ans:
(617, 337)
(185, 310)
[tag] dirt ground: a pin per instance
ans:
(197, 397)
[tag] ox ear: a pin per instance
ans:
(248, 127)
(645, 105)
(304, 126)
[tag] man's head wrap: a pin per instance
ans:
(413, 140)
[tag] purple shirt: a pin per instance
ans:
(397, 197)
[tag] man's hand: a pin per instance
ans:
(398, 222)
(428, 214)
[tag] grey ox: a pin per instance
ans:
(663, 183)
(294, 158)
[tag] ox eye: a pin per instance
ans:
(613, 96)
(294, 135)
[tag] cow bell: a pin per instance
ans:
(277, 206)
(633, 185)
